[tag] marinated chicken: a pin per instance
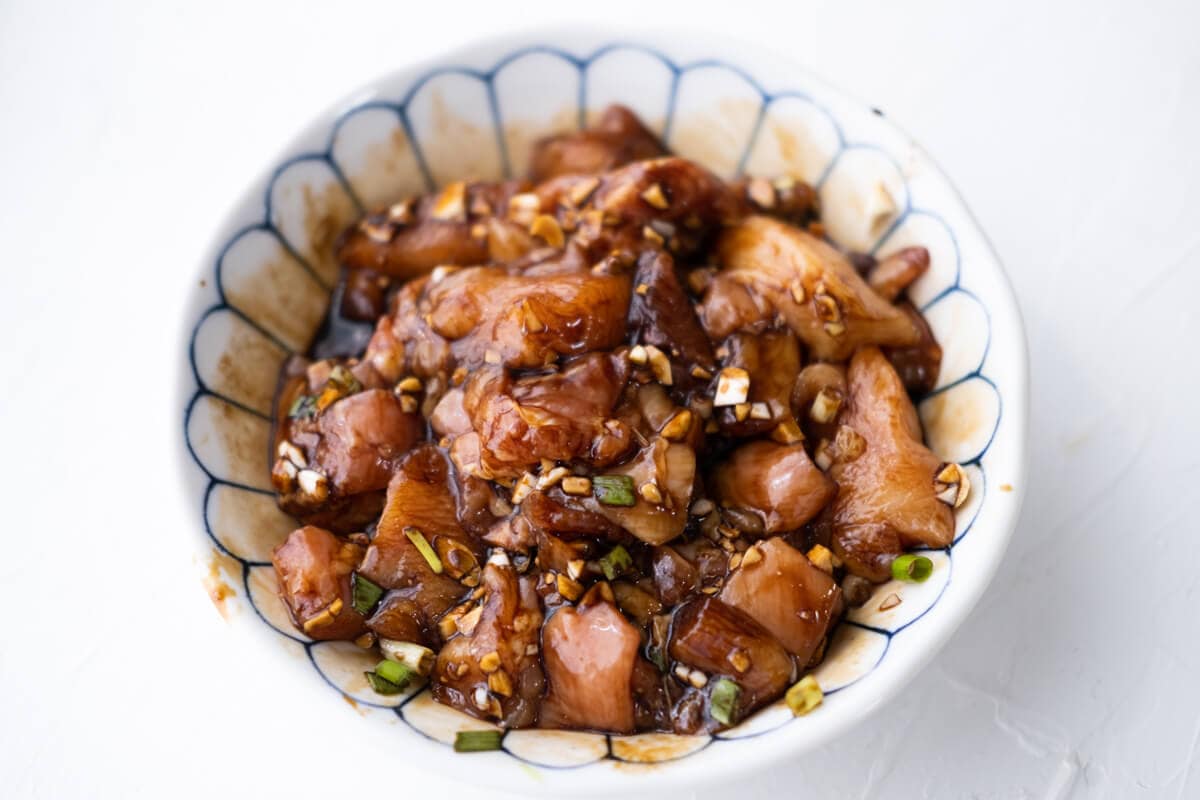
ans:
(624, 443)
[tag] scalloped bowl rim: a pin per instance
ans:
(902, 665)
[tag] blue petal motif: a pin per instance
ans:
(386, 148)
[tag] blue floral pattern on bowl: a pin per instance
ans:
(268, 285)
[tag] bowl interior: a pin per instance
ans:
(266, 285)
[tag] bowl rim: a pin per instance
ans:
(903, 666)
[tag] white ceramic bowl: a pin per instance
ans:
(264, 287)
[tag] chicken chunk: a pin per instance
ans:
(818, 397)
(890, 276)
(487, 315)
(541, 512)
(784, 198)
(671, 469)
(332, 467)
(660, 314)
(405, 615)
(491, 669)
(718, 639)
(674, 576)
(919, 364)
(669, 189)
(590, 654)
(362, 438)
(403, 342)
(787, 595)
(411, 237)
(777, 482)
(420, 501)
(561, 416)
(313, 569)
(772, 269)
(449, 417)
(364, 295)
(772, 360)
(887, 498)
(617, 138)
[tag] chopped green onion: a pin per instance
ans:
(804, 696)
(476, 741)
(615, 562)
(303, 407)
(722, 704)
(613, 490)
(382, 685)
(394, 672)
(914, 569)
(344, 379)
(365, 593)
(425, 549)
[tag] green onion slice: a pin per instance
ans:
(394, 672)
(303, 407)
(655, 654)
(365, 593)
(722, 704)
(615, 561)
(344, 379)
(382, 685)
(912, 568)
(476, 741)
(425, 549)
(613, 490)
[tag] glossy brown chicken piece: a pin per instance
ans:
(364, 298)
(561, 416)
(818, 396)
(675, 577)
(407, 615)
(893, 274)
(590, 653)
(674, 197)
(555, 554)
(332, 468)
(411, 237)
(784, 198)
(542, 512)
(665, 203)
(671, 468)
(362, 438)
(774, 269)
(492, 668)
(886, 500)
(661, 314)
(778, 482)
(918, 365)
(636, 601)
(787, 595)
(490, 316)
(420, 500)
(617, 138)
(487, 315)
(718, 639)
(772, 360)
(403, 343)
(313, 568)
(449, 417)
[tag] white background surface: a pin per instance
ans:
(126, 130)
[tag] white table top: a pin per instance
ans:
(1072, 131)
